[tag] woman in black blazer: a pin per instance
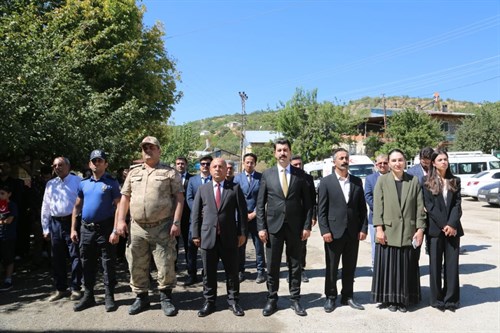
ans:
(443, 204)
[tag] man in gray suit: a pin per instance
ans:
(219, 227)
(284, 214)
(343, 223)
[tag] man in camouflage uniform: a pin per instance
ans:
(155, 196)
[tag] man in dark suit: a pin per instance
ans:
(219, 226)
(194, 183)
(297, 162)
(420, 170)
(249, 181)
(343, 223)
(181, 165)
(382, 165)
(284, 213)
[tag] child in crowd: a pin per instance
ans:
(8, 219)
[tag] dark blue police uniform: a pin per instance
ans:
(98, 214)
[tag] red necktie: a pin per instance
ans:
(217, 203)
(217, 195)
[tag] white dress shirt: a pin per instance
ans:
(215, 188)
(59, 198)
(345, 185)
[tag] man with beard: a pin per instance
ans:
(420, 170)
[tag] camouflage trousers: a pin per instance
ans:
(147, 242)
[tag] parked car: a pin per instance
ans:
(490, 194)
(473, 184)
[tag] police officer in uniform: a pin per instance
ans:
(98, 197)
(155, 195)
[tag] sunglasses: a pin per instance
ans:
(205, 163)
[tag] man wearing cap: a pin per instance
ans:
(194, 183)
(98, 197)
(57, 206)
(155, 195)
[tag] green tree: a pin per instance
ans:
(312, 127)
(79, 75)
(265, 154)
(410, 131)
(178, 142)
(481, 131)
(372, 145)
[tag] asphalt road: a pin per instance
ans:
(25, 307)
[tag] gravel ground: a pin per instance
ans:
(25, 309)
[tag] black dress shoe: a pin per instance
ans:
(383, 306)
(207, 309)
(329, 305)
(299, 310)
(402, 308)
(451, 308)
(270, 308)
(393, 307)
(237, 310)
(261, 277)
(440, 307)
(349, 301)
(192, 279)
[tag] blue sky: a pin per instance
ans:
(345, 49)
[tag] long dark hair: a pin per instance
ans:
(433, 182)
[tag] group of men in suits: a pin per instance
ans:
(275, 208)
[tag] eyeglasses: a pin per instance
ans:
(205, 163)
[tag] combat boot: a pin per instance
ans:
(87, 301)
(109, 300)
(166, 303)
(141, 303)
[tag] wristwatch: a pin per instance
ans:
(177, 223)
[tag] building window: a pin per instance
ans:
(445, 126)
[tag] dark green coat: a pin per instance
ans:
(400, 221)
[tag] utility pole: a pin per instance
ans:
(385, 113)
(243, 97)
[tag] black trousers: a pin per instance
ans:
(444, 291)
(95, 243)
(346, 249)
(274, 251)
(210, 258)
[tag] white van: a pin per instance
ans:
(359, 165)
(466, 164)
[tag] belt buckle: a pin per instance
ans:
(92, 226)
